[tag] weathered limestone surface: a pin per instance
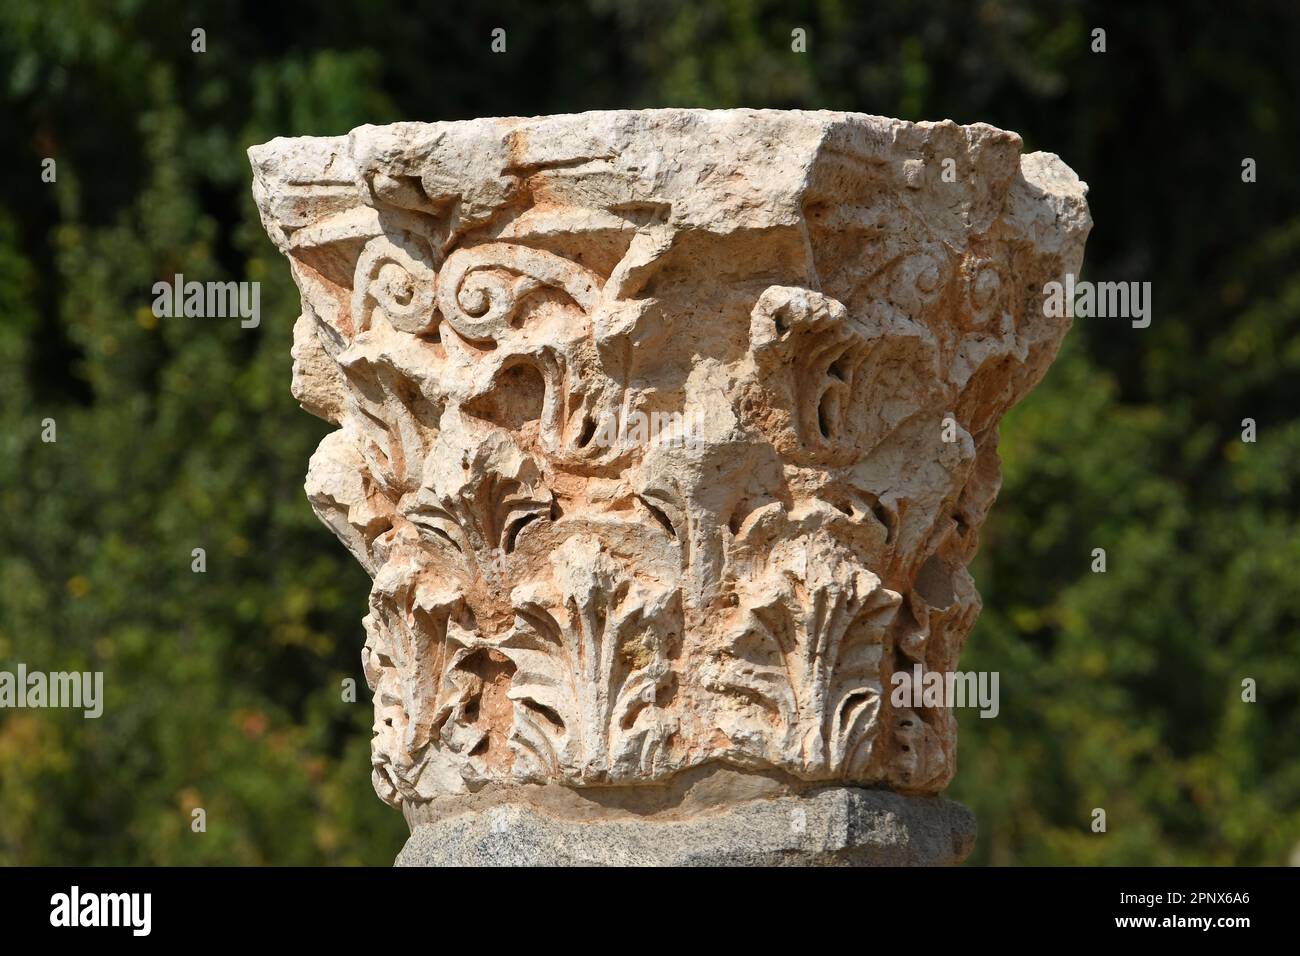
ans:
(641, 436)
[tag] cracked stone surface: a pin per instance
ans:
(666, 435)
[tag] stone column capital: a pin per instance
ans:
(665, 435)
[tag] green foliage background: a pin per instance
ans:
(1119, 690)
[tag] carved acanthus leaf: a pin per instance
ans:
(592, 657)
(810, 649)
